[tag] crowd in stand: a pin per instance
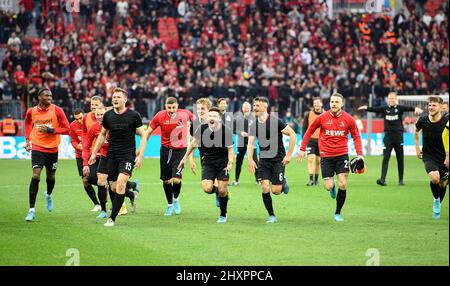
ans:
(289, 52)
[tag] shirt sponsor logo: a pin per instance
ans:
(391, 117)
(334, 132)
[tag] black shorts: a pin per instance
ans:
(313, 147)
(80, 166)
(41, 159)
(334, 165)
(102, 167)
(168, 162)
(212, 170)
(434, 165)
(119, 164)
(272, 170)
(393, 139)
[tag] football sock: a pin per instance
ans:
(176, 189)
(129, 194)
(117, 204)
(223, 205)
(33, 190)
(442, 193)
(102, 197)
(340, 200)
(111, 194)
(169, 193)
(50, 186)
(316, 177)
(267, 199)
(130, 185)
(435, 190)
(310, 177)
(91, 193)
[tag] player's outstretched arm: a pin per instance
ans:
(362, 107)
(250, 149)
(98, 144)
(141, 132)
(292, 141)
(416, 143)
(192, 145)
(418, 110)
(148, 132)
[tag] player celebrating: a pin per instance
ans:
(393, 134)
(44, 124)
(334, 125)
(88, 121)
(174, 125)
(433, 152)
(122, 124)
(312, 150)
(215, 142)
(241, 128)
(272, 156)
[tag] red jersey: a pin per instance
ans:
(88, 120)
(173, 130)
(333, 136)
(90, 140)
(76, 133)
(53, 117)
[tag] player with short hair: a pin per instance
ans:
(44, 125)
(433, 153)
(312, 150)
(393, 134)
(215, 143)
(269, 130)
(122, 125)
(334, 124)
(174, 124)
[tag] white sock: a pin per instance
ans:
(32, 210)
(437, 200)
(169, 205)
(175, 200)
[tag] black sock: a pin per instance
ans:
(50, 186)
(442, 193)
(129, 194)
(223, 205)
(310, 177)
(116, 205)
(169, 193)
(267, 199)
(215, 190)
(130, 185)
(33, 190)
(102, 197)
(91, 193)
(340, 200)
(316, 177)
(176, 189)
(111, 194)
(435, 190)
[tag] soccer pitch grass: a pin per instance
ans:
(396, 221)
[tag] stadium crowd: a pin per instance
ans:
(284, 50)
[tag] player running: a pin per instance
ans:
(334, 125)
(312, 150)
(269, 130)
(393, 134)
(174, 124)
(44, 125)
(215, 142)
(122, 124)
(433, 153)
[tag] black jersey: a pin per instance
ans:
(241, 124)
(433, 148)
(393, 121)
(270, 137)
(213, 145)
(122, 130)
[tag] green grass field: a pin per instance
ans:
(396, 221)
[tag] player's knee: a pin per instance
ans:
(443, 184)
(167, 182)
(329, 185)
(265, 188)
(435, 178)
(276, 189)
(222, 192)
(342, 185)
(176, 181)
(36, 176)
